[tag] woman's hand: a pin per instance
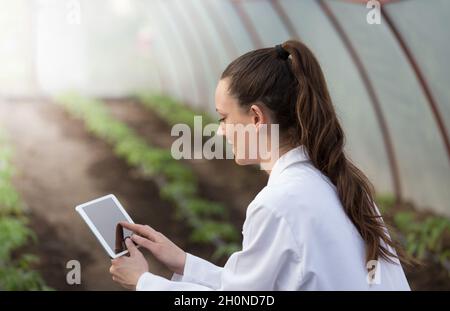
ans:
(127, 270)
(160, 246)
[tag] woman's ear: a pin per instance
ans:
(258, 115)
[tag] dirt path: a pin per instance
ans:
(60, 165)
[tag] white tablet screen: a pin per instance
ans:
(105, 215)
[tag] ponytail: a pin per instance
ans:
(322, 135)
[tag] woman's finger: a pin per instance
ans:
(146, 231)
(148, 244)
(133, 227)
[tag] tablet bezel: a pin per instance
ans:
(80, 210)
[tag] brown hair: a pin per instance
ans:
(295, 90)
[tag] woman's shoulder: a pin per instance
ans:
(305, 201)
(303, 190)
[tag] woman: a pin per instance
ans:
(315, 225)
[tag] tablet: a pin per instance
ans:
(103, 215)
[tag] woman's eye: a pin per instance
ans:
(221, 120)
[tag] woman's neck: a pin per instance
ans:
(282, 149)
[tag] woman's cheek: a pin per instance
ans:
(241, 146)
(229, 133)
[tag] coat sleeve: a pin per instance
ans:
(269, 259)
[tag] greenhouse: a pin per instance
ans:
(92, 92)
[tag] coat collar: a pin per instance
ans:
(295, 155)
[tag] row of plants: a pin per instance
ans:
(170, 110)
(424, 236)
(16, 267)
(176, 181)
(174, 112)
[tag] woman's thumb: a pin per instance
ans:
(130, 246)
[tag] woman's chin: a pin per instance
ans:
(243, 161)
(239, 161)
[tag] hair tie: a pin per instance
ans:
(281, 52)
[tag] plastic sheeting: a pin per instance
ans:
(389, 82)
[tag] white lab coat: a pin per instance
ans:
(296, 236)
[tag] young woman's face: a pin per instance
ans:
(240, 125)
